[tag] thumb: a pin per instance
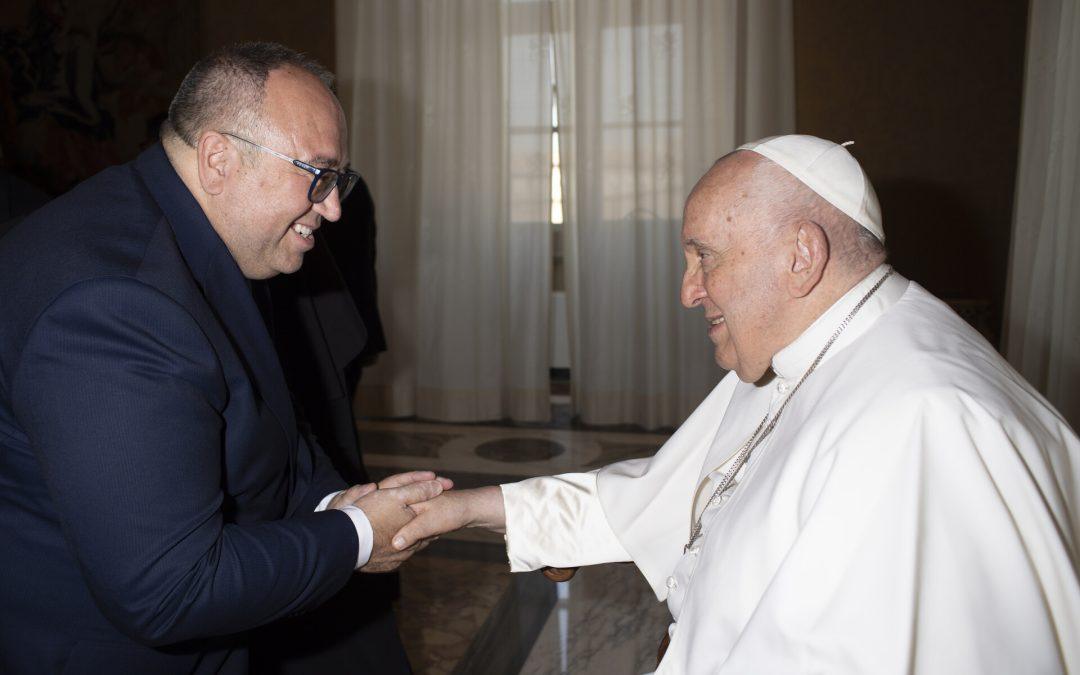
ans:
(416, 530)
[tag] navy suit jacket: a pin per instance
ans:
(156, 499)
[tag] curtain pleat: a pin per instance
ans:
(1042, 316)
(449, 105)
(650, 94)
(450, 110)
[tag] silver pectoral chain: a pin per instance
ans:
(765, 427)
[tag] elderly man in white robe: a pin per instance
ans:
(871, 489)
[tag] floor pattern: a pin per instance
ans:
(461, 611)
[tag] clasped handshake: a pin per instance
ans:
(407, 511)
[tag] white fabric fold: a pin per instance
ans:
(556, 521)
(914, 510)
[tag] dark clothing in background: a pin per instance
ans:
(352, 243)
(326, 325)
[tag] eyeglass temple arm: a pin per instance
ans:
(273, 152)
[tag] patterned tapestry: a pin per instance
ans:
(85, 84)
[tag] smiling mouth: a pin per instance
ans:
(302, 230)
(715, 321)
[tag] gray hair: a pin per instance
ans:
(224, 91)
(870, 247)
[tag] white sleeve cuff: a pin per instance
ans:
(364, 536)
(557, 521)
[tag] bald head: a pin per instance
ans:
(226, 89)
(767, 198)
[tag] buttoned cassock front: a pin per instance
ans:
(915, 509)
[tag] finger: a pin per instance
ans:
(380, 567)
(358, 491)
(447, 484)
(402, 479)
(396, 557)
(419, 508)
(405, 538)
(407, 552)
(418, 492)
(350, 495)
(416, 530)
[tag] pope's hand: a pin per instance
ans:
(389, 506)
(481, 507)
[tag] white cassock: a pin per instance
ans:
(915, 509)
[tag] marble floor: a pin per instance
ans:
(461, 611)
(605, 620)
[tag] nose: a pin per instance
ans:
(693, 287)
(329, 208)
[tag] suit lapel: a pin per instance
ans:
(230, 296)
(223, 285)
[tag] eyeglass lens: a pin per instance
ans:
(326, 182)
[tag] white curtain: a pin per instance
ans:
(449, 109)
(650, 93)
(1042, 325)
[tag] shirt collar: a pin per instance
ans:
(792, 361)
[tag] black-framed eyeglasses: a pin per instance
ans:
(323, 181)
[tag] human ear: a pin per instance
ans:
(217, 161)
(809, 256)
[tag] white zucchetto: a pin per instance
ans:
(829, 170)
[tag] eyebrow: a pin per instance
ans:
(695, 243)
(328, 162)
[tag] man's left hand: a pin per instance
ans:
(397, 480)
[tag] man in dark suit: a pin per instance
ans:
(157, 500)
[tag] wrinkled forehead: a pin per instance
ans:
(728, 194)
(744, 188)
(307, 116)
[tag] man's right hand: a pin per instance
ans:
(388, 509)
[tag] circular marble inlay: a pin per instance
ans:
(520, 449)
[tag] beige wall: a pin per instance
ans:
(930, 91)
